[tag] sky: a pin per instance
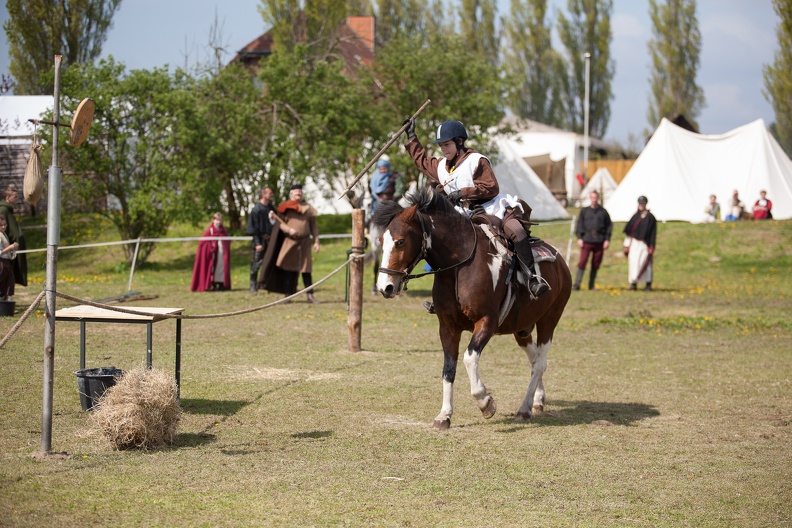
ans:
(738, 38)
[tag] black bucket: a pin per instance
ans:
(7, 308)
(92, 383)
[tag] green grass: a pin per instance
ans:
(669, 408)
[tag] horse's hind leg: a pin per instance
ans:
(481, 336)
(537, 356)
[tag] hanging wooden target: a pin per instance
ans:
(81, 122)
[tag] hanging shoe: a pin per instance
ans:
(429, 307)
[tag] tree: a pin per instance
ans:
(674, 49)
(778, 76)
(318, 119)
(217, 142)
(587, 30)
(37, 30)
(467, 90)
(399, 18)
(477, 25)
(128, 166)
(536, 71)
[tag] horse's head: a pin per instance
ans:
(405, 239)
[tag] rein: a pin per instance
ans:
(407, 273)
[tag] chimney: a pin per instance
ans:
(365, 28)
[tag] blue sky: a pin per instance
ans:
(738, 38)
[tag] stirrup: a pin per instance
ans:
(537, 287)
(429, 307)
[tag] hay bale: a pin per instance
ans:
(140, 411)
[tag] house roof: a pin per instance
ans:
(356, 44)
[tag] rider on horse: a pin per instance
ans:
(469, 182)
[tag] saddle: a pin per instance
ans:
(492, 227)
(498, 237)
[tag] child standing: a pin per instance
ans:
(7, 253)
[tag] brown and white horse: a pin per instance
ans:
(470, 292)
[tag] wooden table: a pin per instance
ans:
(91, 314)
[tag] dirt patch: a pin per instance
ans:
(267, 373)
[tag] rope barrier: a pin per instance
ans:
(22, 319)
(66, 296)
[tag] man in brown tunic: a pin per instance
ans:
(290, 253)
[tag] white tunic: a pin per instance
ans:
(462, 176)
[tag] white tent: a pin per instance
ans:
(678, 170)
(603, 183)
(535, 139)
(516, 177)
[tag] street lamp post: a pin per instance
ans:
(586, 118)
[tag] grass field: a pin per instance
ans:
(668, 408)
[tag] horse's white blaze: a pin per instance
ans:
(537, 355)
(477, 388)
(495, 264)
(448, 402)
(383, 279)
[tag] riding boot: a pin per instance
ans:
(592, 278)
(578, 279)
(633, 286)
(648, 286)
(253, 285)
(522, 251)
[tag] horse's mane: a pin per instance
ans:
(427, 200)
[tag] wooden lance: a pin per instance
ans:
(383, 149)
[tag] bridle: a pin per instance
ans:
(406, 275)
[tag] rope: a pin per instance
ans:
(22, 319)
(36, 302)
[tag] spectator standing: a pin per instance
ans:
(712, 210)
(260, 227)
(212, 269)
(7, 255)
(594, 229)
(762, 209)
(639, 245)
(290, 253)
(14, 233)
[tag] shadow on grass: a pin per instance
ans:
(313, 434)
(193, 439)
(221, 407)
(565, 413)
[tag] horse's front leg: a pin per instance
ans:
(482, 333)
(450, 341)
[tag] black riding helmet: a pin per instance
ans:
(449, 130)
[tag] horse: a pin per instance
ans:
(471, 292)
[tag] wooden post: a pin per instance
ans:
(354, 321)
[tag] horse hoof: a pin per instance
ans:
(442, 425)
(538, 409)
(489, 410)
(522, 417)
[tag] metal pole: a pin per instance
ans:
(132, 268)
(53, 239)
(571, 235)
(586, 118)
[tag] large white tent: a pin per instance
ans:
(603, 183)
(517, 178)
(678, 170)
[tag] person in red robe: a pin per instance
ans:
(212, 269)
